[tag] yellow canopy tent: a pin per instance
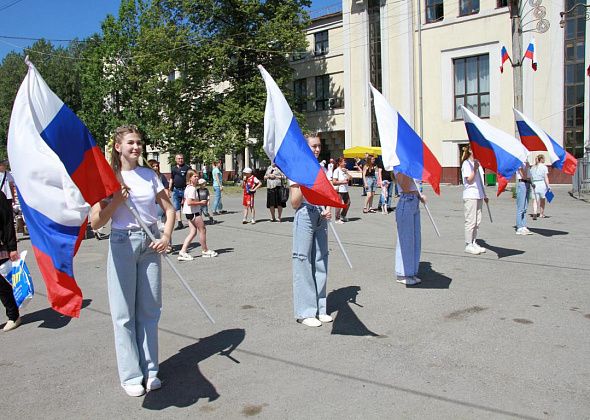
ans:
(361, 151)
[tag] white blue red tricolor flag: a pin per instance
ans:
(59, 172)
(530, 53)
(402, 148)
(496, 150)
(504, 57)
(285, 145)
(535, 138)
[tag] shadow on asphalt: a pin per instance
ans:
(346, 322)
(501, 252)
(51, 319)
(431, 279)
(548, 232)
(183, 384)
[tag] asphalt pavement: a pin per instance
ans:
(504, 334)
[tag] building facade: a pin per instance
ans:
(430, 56)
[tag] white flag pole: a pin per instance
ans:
(338, 240)
(169, 261)
(427, 210)
(489, 212)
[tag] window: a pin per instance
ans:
(300, 93)
(468, 7)
(434, 11)
(322, 92)
(321, 43)
(574, 78)
(472, 85)
(501, 3)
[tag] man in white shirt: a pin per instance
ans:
(7, 182)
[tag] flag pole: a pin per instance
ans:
(169, 261)
(489, 212)
(427, 210)
(338, 240)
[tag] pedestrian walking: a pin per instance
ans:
(523, 190)
(217, 188)
(540, 184)
(177, 186)
(8, 252)
(370, 183)
(340, 179)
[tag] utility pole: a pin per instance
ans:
(516, 52)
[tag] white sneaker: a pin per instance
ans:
(134, 390)
(310, 322)
(209, 254)
(11, 325)
(339, 222)
(526, 231)
(417, 279)
(153, 383)
(253, 221)
(325, 318)
(408, 281)
(183, 256)
(481, 249)
(471, 249)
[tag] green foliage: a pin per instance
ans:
(122, 75)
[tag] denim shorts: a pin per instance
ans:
(371, 183)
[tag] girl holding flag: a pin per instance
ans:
(473, 197)
(310, 253)
(134, 263)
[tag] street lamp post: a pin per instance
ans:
(575, 6)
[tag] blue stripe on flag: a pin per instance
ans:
(295, 158)
(68, 138)
(53, 239)
(525, 130)
(506, 162)
(410, 150)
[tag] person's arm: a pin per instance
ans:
(335, 180)
(257, 184)
(471, 177)
(219, 179)
(379, 179)
(8, 232)
(163, 200)
(102, 211)
(267, 173)
(546, 177)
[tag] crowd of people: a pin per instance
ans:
(134, 264)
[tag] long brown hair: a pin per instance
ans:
(118, 135)
(466, 154)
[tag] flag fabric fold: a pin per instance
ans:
(503, 57)
(496, 150)
(402, 148)
(530, 54)
(535, 138)
(285, 145)
(59, 172)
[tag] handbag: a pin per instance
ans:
(549, 195)
(284, 194)
(20, 279)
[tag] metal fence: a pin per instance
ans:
(581, 179)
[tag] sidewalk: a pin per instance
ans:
(505, 334)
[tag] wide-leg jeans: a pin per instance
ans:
(135, 299)
(522, 203)
(407, 249)
(310, 262)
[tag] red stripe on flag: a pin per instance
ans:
(486, 156)
(533, 143)
(63, 293)
(570, 164)
(322, 193)
(94, 177)
(432, 171)
(502, 184)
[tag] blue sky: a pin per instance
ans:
(66, 19)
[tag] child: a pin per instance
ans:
(203, 194)
(250, 185)
(192, 211)
(384, 195)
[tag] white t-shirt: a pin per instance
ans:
(144, 184)
(526, 171)
(339, 175)
(190, 192)
(6, 187)
(538, 172)
(474, 190)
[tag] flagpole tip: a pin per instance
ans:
(27, 61)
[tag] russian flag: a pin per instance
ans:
(496, 150)
(285, 145)
(534, 138)
(402, 148)
(59, 172)
(504, 57)
(530, 53)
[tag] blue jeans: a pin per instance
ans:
(310, 262)
(217, 205)
(177, 196)
(522, 202)
(407, 249)
(135, 299)
(371, 183)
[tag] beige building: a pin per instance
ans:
(430, 56)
